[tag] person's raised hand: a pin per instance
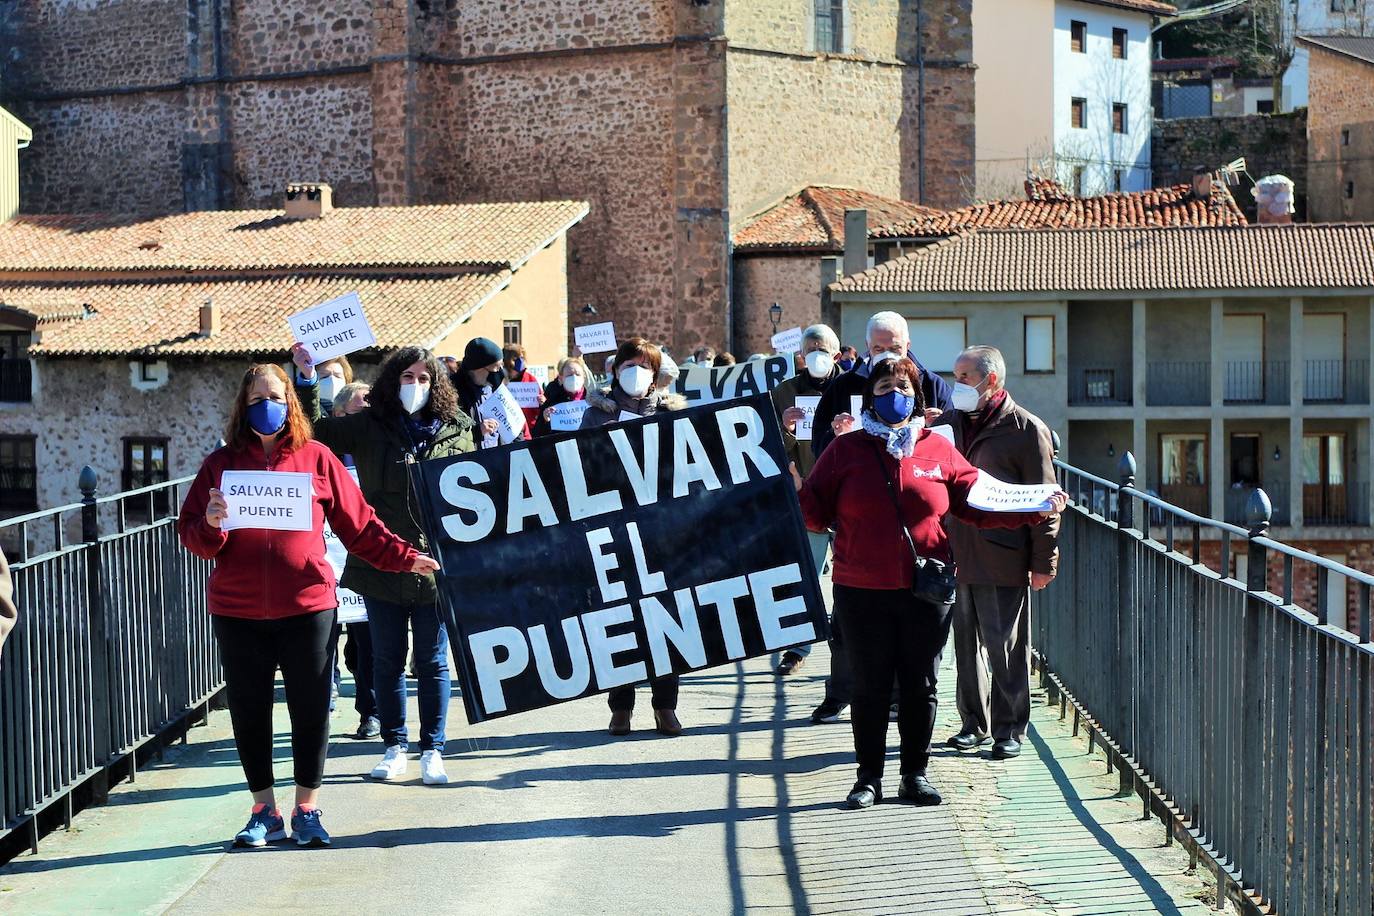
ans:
(216, 510)
(933, 414)
(548, 414)
(796, 476)
(424, 565)
(1058, 503)
(490, 427)
(843, 423)
(305, 363)
(791, 417)
(1039, 580)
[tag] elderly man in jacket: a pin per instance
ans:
(996, 568)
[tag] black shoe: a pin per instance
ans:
(791, 661)
(1004, 750)
(916, 789)
(968, 741)
(863, 796)
(368, 728)
(828, 711)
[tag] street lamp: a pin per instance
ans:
(589, 309)
(775, 316)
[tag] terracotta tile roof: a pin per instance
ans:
(1050, 206)
(1170, 64)
(160, 318)
(813, 219)
(47, 310)
(1144, 6)
(1296, 257)
(492, 235)
(1361, 49)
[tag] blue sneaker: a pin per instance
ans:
(307, 829)
(263, 827)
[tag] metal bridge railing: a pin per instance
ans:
(1242, 712)
(112, 649)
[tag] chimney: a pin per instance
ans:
(308, 201)
(855, 242)
(1202, 183)
(1274, 200)
(209, 319)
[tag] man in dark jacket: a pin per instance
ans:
(996, 568)
(888, 338)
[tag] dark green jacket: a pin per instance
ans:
(379, 446)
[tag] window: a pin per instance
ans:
(1119, 44)
(18, 472)
(1119, 180)
(1040, 343)
(1078, 36)
(1078, 181)
(1183, 471)
(145, 464)
(1349, 190)
(829, 26)
(937, 342)
(1119, 123)
(511, 333)
(16, 372)
(1078, 111)
(1345, 137)
(1264, 106)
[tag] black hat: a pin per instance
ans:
(479, 354)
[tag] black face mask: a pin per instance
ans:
(496, 377)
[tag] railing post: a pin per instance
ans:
(100, 688)
(1259, 511)
(1127, 614)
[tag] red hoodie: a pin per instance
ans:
(847, 491)
(267, 575)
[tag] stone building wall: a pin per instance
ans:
(792, 281)
(1340, 136)
(1271, 144)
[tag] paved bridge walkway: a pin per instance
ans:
(548, 814)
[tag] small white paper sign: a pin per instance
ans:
(502, 407)
(541, 373)
(787, 341)
(567, 417)
(808, 403)
(596, 338)
(992, 495)
(351, 607)
(334, 328)
(526, 393)
(856, 405)
(271, 500)
(945, 430)
(628, 417)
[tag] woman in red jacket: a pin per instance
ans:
(271, 594)
(858, 487)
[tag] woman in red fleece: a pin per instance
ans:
(858, 487)
(271, 594)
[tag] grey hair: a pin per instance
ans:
(828, 338)
(347, 392)
(887, 321)
(988, 360)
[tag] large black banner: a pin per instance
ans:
(583, 561)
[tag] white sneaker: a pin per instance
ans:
(393, 765)
(432, 768)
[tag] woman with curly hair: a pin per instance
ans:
(271, 594)
(413, 414)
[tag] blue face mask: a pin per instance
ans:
(894, 407)
(267, 417)
(846, 364)
(519, 366)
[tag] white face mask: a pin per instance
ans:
(572, 384)
(635, 380)
(414, 397)
(881, 357)
(965, 397)
(819, 363)
(329, 387)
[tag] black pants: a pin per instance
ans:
(889, 633)
(251, 651)
(663, 692)
(357, 655)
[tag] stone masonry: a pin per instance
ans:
(1271, 144)
(1340, 136)
(675, 118)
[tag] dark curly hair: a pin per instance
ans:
(903, 367)
(385, 396)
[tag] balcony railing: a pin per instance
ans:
(1335, 504)
(1238, 502)
(1108, 386)
(1257, 382)
(1336, 381)
(1179, 384)
(16, 380)
(1191, 497)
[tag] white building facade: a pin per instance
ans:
(1101, 97)
(1322, 17)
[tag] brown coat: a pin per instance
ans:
(784, 396)
(1014, 446)
(8, 614)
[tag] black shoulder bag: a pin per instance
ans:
(932, 580)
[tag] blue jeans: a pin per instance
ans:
(388, 625)
(820, 549)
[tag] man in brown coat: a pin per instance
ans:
(997, 567)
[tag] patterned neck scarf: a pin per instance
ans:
(901, 441)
